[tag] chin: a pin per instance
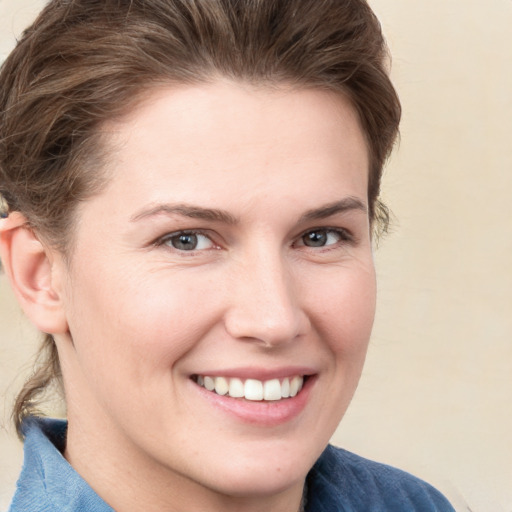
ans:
(268, 471)
(259, 482)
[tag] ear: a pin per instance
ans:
(35, 274)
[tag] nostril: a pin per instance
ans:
(268, 329)
(264, 304)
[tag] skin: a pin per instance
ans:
(142, 316)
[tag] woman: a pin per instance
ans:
(191, 189)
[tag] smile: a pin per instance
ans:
(252, 389)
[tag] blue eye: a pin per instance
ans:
(187, 241)
(323, 237)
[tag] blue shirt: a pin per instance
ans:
(339, 481)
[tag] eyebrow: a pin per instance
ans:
(186, 210)
(212, 214)
(342, 206)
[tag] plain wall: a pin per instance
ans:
(435, 397)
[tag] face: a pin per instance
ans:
(226, 266)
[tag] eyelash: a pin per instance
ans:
(344, 237)
(166, 240)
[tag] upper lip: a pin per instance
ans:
(262, 374)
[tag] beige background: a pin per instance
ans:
(436, 394)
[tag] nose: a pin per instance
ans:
(264, 302)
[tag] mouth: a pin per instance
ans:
(271, 390)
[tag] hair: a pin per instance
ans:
(85, 62)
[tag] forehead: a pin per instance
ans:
(235, 137)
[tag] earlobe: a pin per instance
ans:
(32, 274)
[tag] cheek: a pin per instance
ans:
(122, 323)
(346, 311)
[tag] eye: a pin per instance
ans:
(324, 237)
(187, 241)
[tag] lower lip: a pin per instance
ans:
(265, 412)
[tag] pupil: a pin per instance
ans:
(185, 242)
(315, 239)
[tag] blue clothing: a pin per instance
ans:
(339, 481)
(47, 482)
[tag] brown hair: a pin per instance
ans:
(84, 62)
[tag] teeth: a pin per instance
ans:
(272, 390)
(209, 383)
(221, 386)
(252, 389)
(285, 388)
(236, 388)
(295, 385)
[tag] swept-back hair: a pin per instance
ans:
(85, 62)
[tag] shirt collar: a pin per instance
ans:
(47, 478)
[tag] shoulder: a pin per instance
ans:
(30, 489)
(47, 482)
(341, 480)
